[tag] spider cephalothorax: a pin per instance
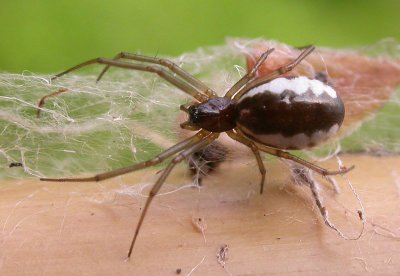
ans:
(215, 115)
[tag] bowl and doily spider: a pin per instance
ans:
(270, 114)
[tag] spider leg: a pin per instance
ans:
(42, 100)
(199, 85)
(311, 166)
(289, 156)
(306, 177)
(274, 74)
(256, 152)
(249, 76)
(179, 158)
(190, 142)
(159, 70)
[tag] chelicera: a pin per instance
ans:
(268, 114)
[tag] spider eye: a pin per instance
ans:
(194, 115)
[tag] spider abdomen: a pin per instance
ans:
(290, 113)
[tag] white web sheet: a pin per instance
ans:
(129, 116)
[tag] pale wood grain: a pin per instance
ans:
(86, 228)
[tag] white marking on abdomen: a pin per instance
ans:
(298, 85)
(297, 141)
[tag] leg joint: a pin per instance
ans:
(167, 63)
(101, 60)
(179, 158)
(122, 55)
(156, 69)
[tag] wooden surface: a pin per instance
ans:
(86, 228)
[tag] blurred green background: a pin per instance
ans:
(47, 36)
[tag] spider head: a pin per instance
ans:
(215, 115)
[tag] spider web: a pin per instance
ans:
(130, 116)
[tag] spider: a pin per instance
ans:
(268, 114)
